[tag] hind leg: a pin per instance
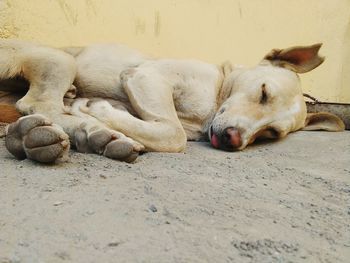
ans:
(36, 138)
(50, 73)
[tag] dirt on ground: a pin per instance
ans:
(287, 201)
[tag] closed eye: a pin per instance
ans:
(263, 97)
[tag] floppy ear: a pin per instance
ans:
(297, 59)
(323, 121)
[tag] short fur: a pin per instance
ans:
(120, 102)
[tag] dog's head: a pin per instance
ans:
(267, 101)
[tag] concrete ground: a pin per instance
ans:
(287, 201)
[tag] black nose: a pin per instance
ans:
(231, 138)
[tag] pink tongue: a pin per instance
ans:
(215, 141)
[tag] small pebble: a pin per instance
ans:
(23, 244)
(63, 255)
(114, 244)
(90, 212)
(153, 208)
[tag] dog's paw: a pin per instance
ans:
(36, 138)
(107, 142)
(121, 150)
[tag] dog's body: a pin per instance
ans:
(192, 85)
(150, 104)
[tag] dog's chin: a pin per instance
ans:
(227, 148)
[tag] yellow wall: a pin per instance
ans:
(211, 30)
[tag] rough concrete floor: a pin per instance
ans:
(287, 201)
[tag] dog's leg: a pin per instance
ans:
(37, 138)
(151, 96)
(94, 136)
(50, 73)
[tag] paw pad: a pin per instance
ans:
(36, 138)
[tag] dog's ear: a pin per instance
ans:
(227, 68)
(297, 59)
(323, 121)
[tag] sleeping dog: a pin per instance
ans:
(114, 101)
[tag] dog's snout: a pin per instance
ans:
(231, 137)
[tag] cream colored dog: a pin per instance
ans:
(119, 102)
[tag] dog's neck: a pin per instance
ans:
(223, 91)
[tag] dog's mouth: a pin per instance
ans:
(268, 133)
(215, 141)
(235, 141)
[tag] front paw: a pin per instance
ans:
(109, 143)
(36, 138)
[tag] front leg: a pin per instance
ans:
(151, 96)
(37, 138)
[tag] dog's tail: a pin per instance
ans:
(8, 113)
(11, 90)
